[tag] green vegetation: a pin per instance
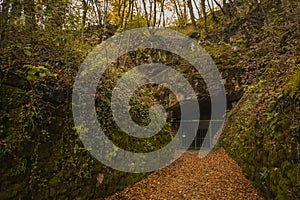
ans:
(262, 130)
(255, 45)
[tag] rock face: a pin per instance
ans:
(41, 156)
(262, 131)
(262, 135)
(33, 147)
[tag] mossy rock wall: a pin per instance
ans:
(41, 156)
(262, 131)
(262, 135)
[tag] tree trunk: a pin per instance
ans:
(123, 14)
(162, 14)
(212, 10)
(191, 10)
(204, 15)
(219, 5)
(84, 7)
(154, 14)
(184, 12)
(4, 22)
(146, 13)
(197, 8)
(129, 13)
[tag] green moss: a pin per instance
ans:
(12, 191)
(292, 86)
(267, 149)
(11, 97)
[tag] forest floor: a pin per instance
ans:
(216, 176)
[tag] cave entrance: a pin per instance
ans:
(198, 135)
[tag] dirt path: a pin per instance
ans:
(216, 176)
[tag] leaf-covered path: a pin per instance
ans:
(215, 176)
